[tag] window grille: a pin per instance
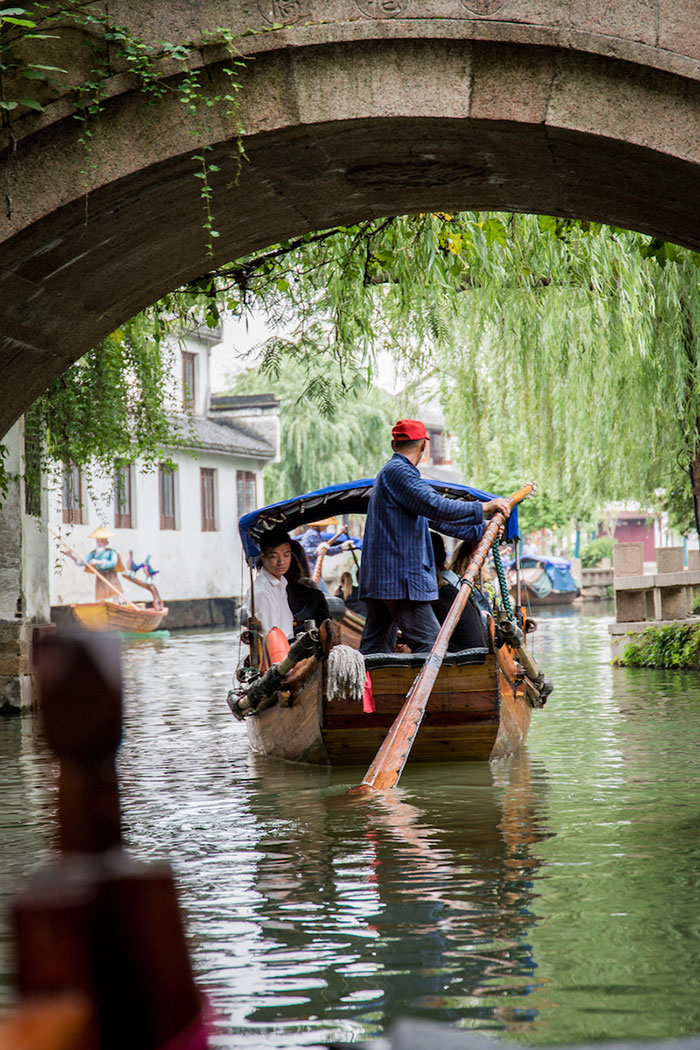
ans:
(72, 495)
(189, 381)
(208, 490)
(123, 498)
(166, 495)
(246, 499)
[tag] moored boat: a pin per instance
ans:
(545, 580)
(111, 616)
(480, 705)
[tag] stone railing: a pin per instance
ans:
(666, 594)
(651, 599)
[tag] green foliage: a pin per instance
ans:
(108, 408)
(14, 67)
(541, 333)
(594, 552)
(677, 645)
(322, 444)
(677, 502)
(113, 47)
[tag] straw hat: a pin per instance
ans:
(323, 523)
(101, 534)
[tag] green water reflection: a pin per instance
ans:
(549, 898)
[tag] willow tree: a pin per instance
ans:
(563, 350)
(319, 449)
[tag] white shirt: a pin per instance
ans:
(271, 605)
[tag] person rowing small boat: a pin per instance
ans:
(311, 705)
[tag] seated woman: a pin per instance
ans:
(484, 590)
(305, 598)
(470, 632)
(283, 595)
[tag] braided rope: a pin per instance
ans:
(500, 571)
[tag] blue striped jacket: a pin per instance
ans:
(397, 555)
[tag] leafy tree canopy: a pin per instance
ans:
(317, 450)
(565, 351)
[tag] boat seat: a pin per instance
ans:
(466, 656)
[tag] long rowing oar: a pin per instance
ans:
(389, 761)
(321, 552)
(91, 568)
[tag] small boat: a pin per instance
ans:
(544, 580)
(111, 616)
(480, 705)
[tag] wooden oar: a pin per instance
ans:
(321, 553)
(389, 761)
(91, 568)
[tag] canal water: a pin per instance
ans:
(550, 898)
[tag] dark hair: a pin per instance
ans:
(461, 557)
(438, 550)
(298, 571)
(405, 444)
(273, 538)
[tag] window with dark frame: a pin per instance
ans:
(72, 495)
(208, 490)
(123, 498)
(438, 446)
(245, 492)
(166, 495)
(189, 380)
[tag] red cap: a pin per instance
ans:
(409, 430)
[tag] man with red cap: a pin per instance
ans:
(397, 574)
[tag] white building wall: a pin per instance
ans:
(191, 563)
(24, 584)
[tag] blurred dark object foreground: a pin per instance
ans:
(426, 1035)
(102, 961)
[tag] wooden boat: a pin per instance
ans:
(544, 581)
(480, 706)
(110, 616)
(477, 711)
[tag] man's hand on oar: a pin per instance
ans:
(500, 505)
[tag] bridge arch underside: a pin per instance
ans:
(334, 133)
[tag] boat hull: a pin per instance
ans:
(108, 616)
(530, 597)
(476, 712)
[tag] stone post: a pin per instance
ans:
(630, 599)
(24, 579)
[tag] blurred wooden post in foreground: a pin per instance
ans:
(101, 951)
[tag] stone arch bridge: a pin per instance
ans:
(350, 109)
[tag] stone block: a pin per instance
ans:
(669, 559)
(633, 583)
(630, 605)
(651, 605)
(693, 561)
(674, 603)
(628, 559)
(16, 694)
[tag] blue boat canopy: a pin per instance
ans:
(558, 570)
(350, 497)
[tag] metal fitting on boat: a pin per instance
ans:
(539, 690)
(260, 693)
(508, 633)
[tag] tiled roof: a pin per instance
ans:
(224, 436)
